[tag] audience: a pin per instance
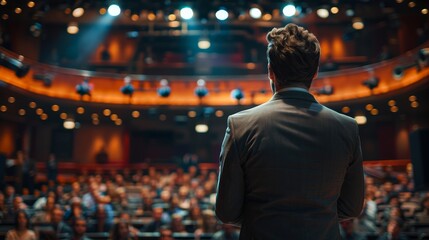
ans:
(21, 229)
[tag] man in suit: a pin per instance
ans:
(290, 168)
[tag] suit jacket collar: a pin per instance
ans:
(294, 95)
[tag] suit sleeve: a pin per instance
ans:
(351, 200)
(230, 187)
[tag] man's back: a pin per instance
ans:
(295, 162)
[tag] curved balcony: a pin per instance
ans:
(346, 84)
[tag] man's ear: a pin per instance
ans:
(271, 74)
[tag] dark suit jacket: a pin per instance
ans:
(290, 169)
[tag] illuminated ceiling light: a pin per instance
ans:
(255, 13)
(114, 10)
(267, 17)
(55, 108)
(80, 110)
(425, 11)
(162, 117)
(201, 128)
(414, 104)
(334, 10)
(135, 114)
(204, 44)
(345, 109)
(174, 24)
(192, 114)
(106, 112)
(72, 28)
(350, 12)
(78, 12)
(63, 116)
(251, 66)
(3, 2)
(18, 10)
(411, 4)
(118, 122)
(151, 16)
(11, 99)
(171, 17)
(221, 14)
(399, 1)
(39, 111)
(289, 10)
(21, 112)
(134, 17)
(369, 107)
(5, 16)
(412, 98)
(94, 116)
(31, 4)
(44, 116)
(69, 124)
(102, 11)
(391, 103)
(219, 113)
(322, 13)
(114, 117)
(394, 109)
(95, 121)
(67, 11)
(186, 13)
(358, 24)
(360, 119)
(32, 105)
(374, 111)
(3, 108)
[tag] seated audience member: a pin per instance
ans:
(79, 229)
(75, 211)
(121, 231)
(348, 231)
(209, 223)
(165, 233)
(45, 215)
(157, 222)
(9, 195)
(17, 205)
(177, 223)
(423, 217)
(3, 207)
(394, 231)
(21, 229)
(127, 218)
(62, 229)
(40, 203)
(228, 232)
(104, 219)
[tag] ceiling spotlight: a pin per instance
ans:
(201, 89)
(322, 12)
(360, 119)
(128, 88)
(255, 13)
(289, 10)
(84, 88)
(114, 10)
(164, 90)
(69, 124)
(186, 13)
(357, 23)
(237, 94)
(201, 128)
(73, 28)
(31, 4)
(19, 67)
(424, 11)
(371, 83)
(221, 14)
(78, 12)
(334, 10)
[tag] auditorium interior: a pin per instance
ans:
(114, 112)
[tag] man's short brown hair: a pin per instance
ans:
(293, 54)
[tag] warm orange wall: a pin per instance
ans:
(22, 42)
(89, 140)
(7, 138)
(120, 47)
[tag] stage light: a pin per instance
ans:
(84, 88)
(44, 116)
(350, 12)
(18, 10)
(186, 13)
(31, 4)
(289, 10)
(55, 108)
(63, 116)
(21, 112)
(151, 16)
(267, 17)
(201, 89)
(3, 108)
(221, 14)
(171, 17)
(255, 13)
(201, 128)
(391, 103)
(345, 109)
(398, 71)
(411, 4)
(107, 112)
(114, 10)
(357, 23)
(424, 11)
(128, 88)
(5, 16)
(192, 114)
(11, 99)
(45, 78)
(102, 11)
(219, 113)
(322, 12)
(78, 12)
(135, 17)
(73, 28)
(374, 111)
(423, 57)
(360, 119)
(237, 94)
(80, 110)
(69, 124)
(32, 105)
(3, 2)
(19, 67)
(412, 98)
(164, 90)
(371, 83)
(135, 114)
(334, 10)
(204, 44)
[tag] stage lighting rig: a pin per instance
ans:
(371, 83)
(21, 69)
